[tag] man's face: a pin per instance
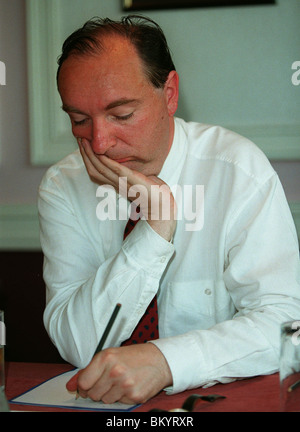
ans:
(113, 105)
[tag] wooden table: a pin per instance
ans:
(258, 394)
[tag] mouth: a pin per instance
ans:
(123, 160)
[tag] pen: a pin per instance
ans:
(294, 386)
(106, 332)
(108, 327)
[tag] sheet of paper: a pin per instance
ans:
(54, 393)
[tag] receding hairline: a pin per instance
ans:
(144, 35)
(100, 47)
(100, 44)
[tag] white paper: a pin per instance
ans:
(54, 393)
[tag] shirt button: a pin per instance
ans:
(207, 291)
(163, 259)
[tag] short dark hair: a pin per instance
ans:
(145, 35)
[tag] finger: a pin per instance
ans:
(133, 177)
(93, 372)
(112, 385)
(157, 180)
(95, 382)
(98, 391)
(93, 170)
(72, 386)
(137, 185)
(73, 383)
(115, 394)
(96, 167)
(88, 164)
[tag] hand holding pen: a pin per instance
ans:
(99, 348)
(128, 374)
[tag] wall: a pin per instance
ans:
(215, 34)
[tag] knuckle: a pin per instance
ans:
(94, 396)
(133, 391)
(135, 396)
(117, 371)
(108, 355)
(107, 400)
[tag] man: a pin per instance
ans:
(224, 281)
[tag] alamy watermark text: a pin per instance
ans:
(2, 333)
(296, 75)
(156, 203)
(2, 73)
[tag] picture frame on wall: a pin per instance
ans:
(134, 5)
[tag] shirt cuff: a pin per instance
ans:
(148, 249)
(180, 352)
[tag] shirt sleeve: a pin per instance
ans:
(81, 291)
(262, 275)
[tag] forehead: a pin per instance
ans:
(92, 82)
(116, 62)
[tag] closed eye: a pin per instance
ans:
(83, 121)
(124, 117)
(79, 122)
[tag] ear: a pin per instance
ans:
(171, 92)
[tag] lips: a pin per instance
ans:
(123, 160)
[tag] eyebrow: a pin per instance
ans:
(110, 106)
(121, 102)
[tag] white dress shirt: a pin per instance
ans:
(224, 284)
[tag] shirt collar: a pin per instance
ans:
(174, 162)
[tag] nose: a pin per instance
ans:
(102, 137)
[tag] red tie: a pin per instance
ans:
(147, 327)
